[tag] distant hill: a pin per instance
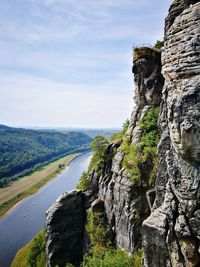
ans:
(103, 132)
(24, 149)
(91, 132)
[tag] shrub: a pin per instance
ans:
(83, 182)
(110, 257)
(96, 228)
(99, 145)
(125, 126)
(131, 160)
(37, 256)
(102, 254)
(150, 139)
(159, 44)
(149, 121)
(141, 162)
(33, 254)
(119, 136)
(137, 258)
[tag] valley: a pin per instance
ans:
(29, 184)
(26, 219)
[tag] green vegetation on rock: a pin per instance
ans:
(98, 146)
(141, 162)
(99, 157)
(109, 257)
(159, 44)
(33, 254)
(131, 159)
(102, 253)
(96, 229)
(83, 182)
(144, 52)
(119, 136)
(150, 136)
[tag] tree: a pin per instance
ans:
(125, 126)
(159, 44)
(99, 144)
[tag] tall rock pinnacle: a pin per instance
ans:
(172, 232)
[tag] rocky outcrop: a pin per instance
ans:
(65, 223)
(122, 201)
(169, 208)
(148, 79)
(175, 10)
(148, 83)
(126, 205)
(171, 233)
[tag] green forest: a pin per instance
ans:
(23, 150)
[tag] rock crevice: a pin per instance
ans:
(177, 185)
(166, 210)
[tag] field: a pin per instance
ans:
(29, 184)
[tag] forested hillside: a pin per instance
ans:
(23, 150)
(95, 132)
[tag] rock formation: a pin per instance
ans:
(171, 233)
(124, 201)
(168, 208)
(64, 230)
(176, 9)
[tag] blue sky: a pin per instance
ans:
(68, 62)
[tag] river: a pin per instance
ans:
(24, 221)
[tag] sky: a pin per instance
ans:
(67, 63)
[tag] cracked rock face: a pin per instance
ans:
(148, 79)
(148, 82)
(175, 241)
(125, 202)
(64, 230)
(176, 9)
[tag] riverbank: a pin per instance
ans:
(33, 252)
(30, 184)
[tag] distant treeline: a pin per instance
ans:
(23, 151)
(96, 132)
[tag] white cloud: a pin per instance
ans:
(33, 101)
(68, 62)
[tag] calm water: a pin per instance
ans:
(23, 222)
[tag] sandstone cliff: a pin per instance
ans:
(132, 187)
(125, 201)
(118, 187)
(171, 233)
(64, 230)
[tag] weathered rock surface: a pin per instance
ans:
(65, 223)
(148, 79)
(122, 201)
(170, 212)
(176, 9)
(148, 83)
(125, 202)
(171, 233)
